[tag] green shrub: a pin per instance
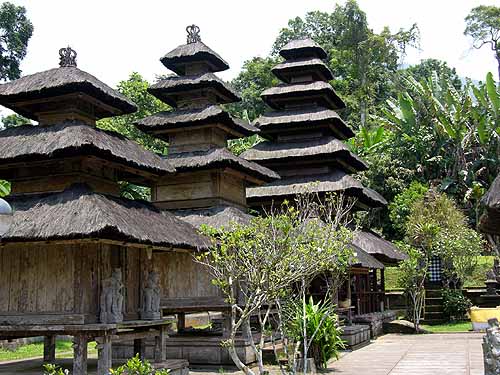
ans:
(51, 369)
(135, 366)
(324, 323)
(455, 304)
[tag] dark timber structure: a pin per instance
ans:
(209, 187)
(77, 259)
(304, 144)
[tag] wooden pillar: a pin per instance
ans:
(161, 344)
(382, 288)
(80, 355)
(181, 322)
(104, 355)
(49, 349)
(140, 348)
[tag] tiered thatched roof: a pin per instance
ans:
(305, 133)
(490, 220)
(80, 213)
(45, 142)
(216, 217)
(363, 259)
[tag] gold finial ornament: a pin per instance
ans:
(67, 57)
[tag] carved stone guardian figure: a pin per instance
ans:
(491, 348)
(111, 303)
(150, 309)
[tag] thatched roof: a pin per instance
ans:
(219, 158)
(325, 148)
(380, 248)
(309, 65)
(170, 89)
(322, 183)
(216, 217)
(318, 92)
(164, 122)
(177, 59)
(490, 220)
(73, 138)
(302, 48)
(59, 81)
(307, 118)
(363, 259)
(79, 213)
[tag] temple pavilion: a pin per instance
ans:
(78, 258)
(490, 220)
(208, 188)
(304, 137)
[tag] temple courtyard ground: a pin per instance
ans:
(432, 354)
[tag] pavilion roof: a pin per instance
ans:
(363, 259)
(79, 213)
(321, 183)
(302, 48)
(183, 119)
(219, 158)
(177, 59)
(73, 138)
(288, 69)
(305, 119)
(216, 217)
(169, 89)
(319, 92)
(377, 246)
(324, 148)
(60, 81)
(490, 220)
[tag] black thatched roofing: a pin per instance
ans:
(216, 217)
(308, 118)
(363, 259)
(321, 183)
(318, 92)
(325, 148)
(313, 66)
(59, 81)
(40, 142)
(219, 158)
(185, 118)
(169, 88)
(79, 213)
(302, 48)
(490, 220)
(380, 248)
(177, 59)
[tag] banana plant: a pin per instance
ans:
(4, 188)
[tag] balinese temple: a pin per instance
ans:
(304, 145)
(78, 259)
(208, 188)
(490, 220)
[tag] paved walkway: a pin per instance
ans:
(434, 354)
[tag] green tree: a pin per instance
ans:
(483, 25)
(16, 30)
(14, 120)
(135, 88)
(426, 67)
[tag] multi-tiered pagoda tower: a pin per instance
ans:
(209, 187)
(305, 134)
(78, 259)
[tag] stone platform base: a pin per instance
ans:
(176, 366)
(196, 349)
(356, 336)
(375, 321)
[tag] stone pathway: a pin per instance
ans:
(434, 354)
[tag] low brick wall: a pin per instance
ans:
(375, 321)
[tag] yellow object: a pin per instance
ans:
(479, 316)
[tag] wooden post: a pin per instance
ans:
(104, 354)
(382, 288)
(161, 344)
(49, 349)
(181, 322)
(140, 348)
(80, 355)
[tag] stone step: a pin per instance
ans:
(434, 301)
(433, 293)
(433, 308)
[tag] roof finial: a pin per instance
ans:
(67, 57)
(193, 34)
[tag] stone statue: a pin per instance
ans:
(491, 348)
(151, 297)
(112, 298)
(491, 283)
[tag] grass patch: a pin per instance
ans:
(64, 348)
(463, 326)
